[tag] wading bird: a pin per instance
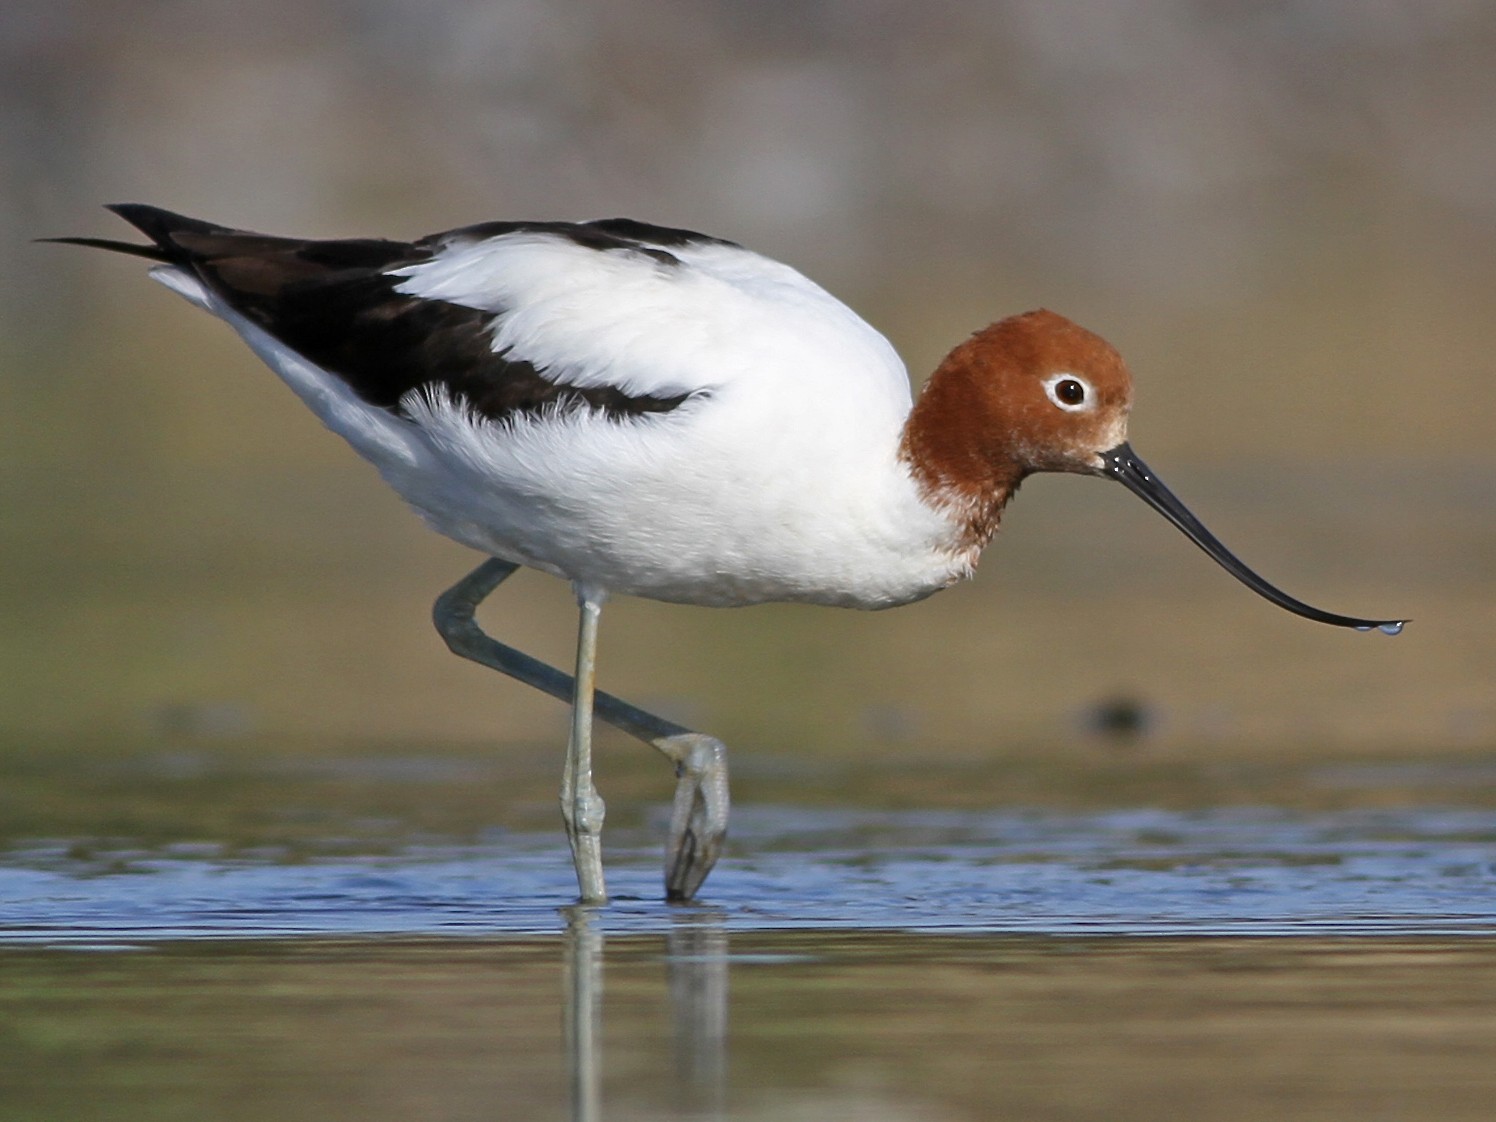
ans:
(653, 412)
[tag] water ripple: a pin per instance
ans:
(1220, 872)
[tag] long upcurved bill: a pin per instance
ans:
(1123, 466)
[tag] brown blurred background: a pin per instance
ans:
(1283, 214)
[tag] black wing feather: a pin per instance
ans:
(334, 302)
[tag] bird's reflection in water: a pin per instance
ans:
(696, 972)
(582, 1005)
(696, 967)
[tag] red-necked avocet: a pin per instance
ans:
(653, 412)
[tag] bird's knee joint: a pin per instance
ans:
(584, 813)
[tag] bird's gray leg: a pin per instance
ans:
(698, 821)
(581, 806)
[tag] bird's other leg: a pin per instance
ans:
(698, 820)
(581, 806)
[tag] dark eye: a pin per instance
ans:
(1070, 392)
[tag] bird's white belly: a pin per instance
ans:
(670, 508)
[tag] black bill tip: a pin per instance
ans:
(1123, 465)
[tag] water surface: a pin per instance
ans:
(1236, 871)
(1320, 949)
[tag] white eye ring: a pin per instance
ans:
(1062, 390)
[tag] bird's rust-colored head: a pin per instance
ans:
(1033, 392)
(1036, 392)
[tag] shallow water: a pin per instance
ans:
(706, 1022)
(860, 964)
(1240, 871)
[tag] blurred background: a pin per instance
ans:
(1283, 214)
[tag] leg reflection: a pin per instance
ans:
(696, 975)
(696, 968)
(582, 980)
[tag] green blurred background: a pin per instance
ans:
(1283, 214)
